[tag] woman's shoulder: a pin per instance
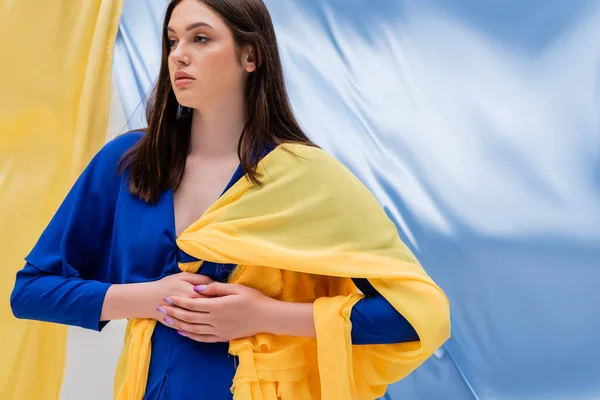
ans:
(317, 166)
(303, 150)
(104, 166)
(118, 146)
(312, 155)
(111, 153)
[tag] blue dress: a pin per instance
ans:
(102, 235)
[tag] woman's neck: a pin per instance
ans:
(216, 130)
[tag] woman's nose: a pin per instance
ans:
(180, 56)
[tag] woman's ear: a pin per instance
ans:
(249, 58)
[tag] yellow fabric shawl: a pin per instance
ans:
(301, 237)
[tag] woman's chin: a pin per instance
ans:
(185, 101)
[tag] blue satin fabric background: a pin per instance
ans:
(476, 123)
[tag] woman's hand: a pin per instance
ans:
(180, 285)
(222, 312)
(139, 300)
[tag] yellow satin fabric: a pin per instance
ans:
(301, 237)
(54, 106)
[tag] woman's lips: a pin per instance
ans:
(181, 82)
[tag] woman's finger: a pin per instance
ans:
(197, 329)
(192, 317)
(195, 279)
(200, 304)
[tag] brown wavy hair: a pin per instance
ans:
(157, 161)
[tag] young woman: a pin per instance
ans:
(275, 237)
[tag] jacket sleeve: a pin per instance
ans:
(66, 275)
(375, 321)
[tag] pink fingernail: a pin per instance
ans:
(169, 321)
(167, 300)
(200, 288)
(162, 310)
(182, 334)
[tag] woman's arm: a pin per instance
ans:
(139, 300)
(62, 278)
(65, 278)
(375, 321)
(229, 311)
(286, 318)
(89, 304)
(41, 296)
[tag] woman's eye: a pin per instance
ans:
(201, 39)
(172, 42)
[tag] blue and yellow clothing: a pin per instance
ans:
(102, 235)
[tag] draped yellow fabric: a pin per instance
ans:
(54, 104)
(300, 237)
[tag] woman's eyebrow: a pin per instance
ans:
(192, 26)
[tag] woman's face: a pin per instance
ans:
(205, 66)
